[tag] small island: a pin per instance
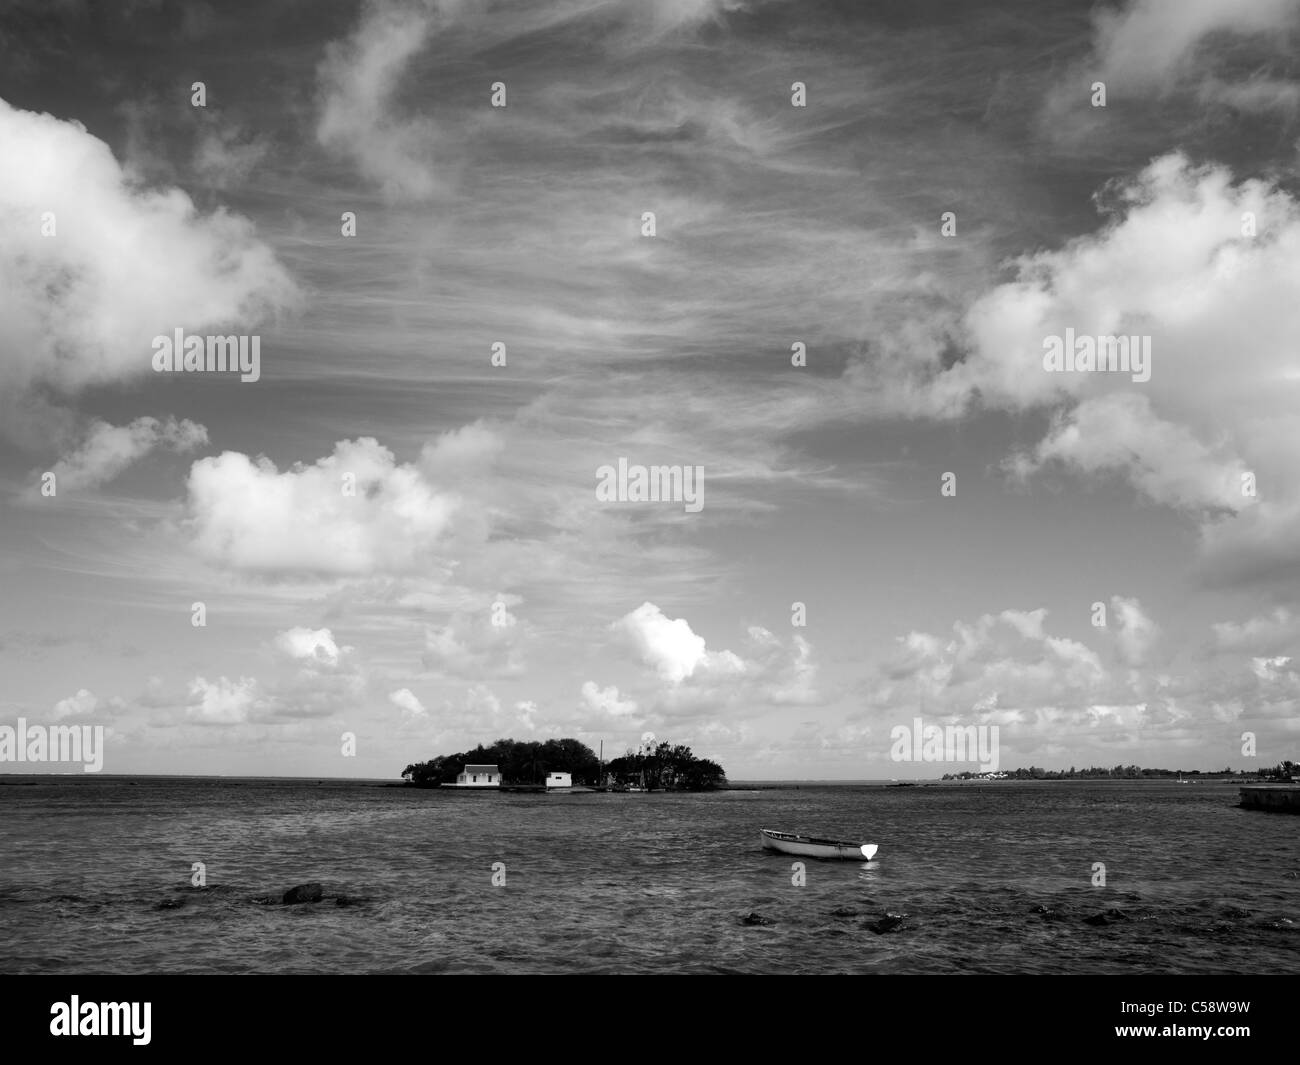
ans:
(664, 767)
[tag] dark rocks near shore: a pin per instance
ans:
(303, 893)
(891, 922)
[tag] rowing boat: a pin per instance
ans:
(811, 847)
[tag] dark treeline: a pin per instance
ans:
(520, 762)
(1284, 771)
(665, 766)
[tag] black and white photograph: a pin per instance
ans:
(651, 487)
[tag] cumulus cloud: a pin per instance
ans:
(224, 701)
(1209, 269)
(670, 646)
(694, 681)
(995, 670)
(1165, 462)
(125, 264)
(359, 79)
(248, 515)
(85, 705)
(405, 701)
(606, 701)
(106, 450)
(466, 452)
(311, 646)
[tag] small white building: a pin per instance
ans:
(559, 780)
(479, 776)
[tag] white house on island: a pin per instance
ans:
(559, 780)
(478, 776)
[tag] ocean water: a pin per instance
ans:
(993, 878)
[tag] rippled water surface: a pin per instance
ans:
(95, 877)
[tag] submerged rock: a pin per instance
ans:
(844, 912)
(303, 893)
(756, 919)
(891, 922)
(170, 904)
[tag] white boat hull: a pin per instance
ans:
(811, 847)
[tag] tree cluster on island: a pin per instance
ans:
(520, 762)
(1284, 771)
(664, 766)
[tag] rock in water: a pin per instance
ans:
(756, 919)
(891, 922)
(303, 893)
(1111, 916)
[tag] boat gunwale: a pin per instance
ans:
(791, 837)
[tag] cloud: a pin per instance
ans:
(405, 701)
(359, 79)
(486, 643)
(1136, 632)
(247, 515)
(224, 156)
(462, 453)
(1149, 43)
(660, 17)
(670, 646)
(1120, 433)
(125, 264)
(106, 450)
(998, 669)
(693, 681)
(1264, 634)
(85, 705)
(606, 701)
(224, 702)
(313, 646)
(1208, 268)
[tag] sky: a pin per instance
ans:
(867, 221)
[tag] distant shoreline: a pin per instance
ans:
(19, 779)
